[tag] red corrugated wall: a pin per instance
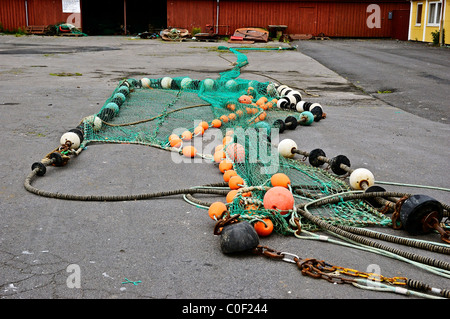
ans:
(40, 12)
(12, 14)
(332, 18)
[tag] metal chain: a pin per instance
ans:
(319, 269)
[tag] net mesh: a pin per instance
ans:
(149, 111)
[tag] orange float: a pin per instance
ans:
(227, 139)
(236, 182)
(186, 136)
(228, 174)
(204, 124)
(225, 165)
(231, 195)
(264, 228)
(280, 179)
(175, 142)
(223, 118)
(218, 148)
(245, 99)
(216, 210)
(279, 198)
(189, 151)
(219, 156)
(216, 123)
(262, 116)
(236, 152)
(199, 130)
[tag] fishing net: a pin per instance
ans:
(157, 112)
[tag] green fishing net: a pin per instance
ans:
(149, 111)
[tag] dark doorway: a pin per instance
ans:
(106, 17)
(400, 24)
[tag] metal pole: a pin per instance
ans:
(125, 16)
(26, 12)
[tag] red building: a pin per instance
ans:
(347, 18)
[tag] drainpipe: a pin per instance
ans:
(26, 12)
(217, 18)
(425, 21)
(441, 24)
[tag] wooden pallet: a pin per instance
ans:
(37, 29)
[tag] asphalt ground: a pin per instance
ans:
(168, 244)
(412, 76)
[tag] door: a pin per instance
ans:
(400, 24)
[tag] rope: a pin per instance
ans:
(302, 209)
(32, 189)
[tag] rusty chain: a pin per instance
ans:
(319, 269)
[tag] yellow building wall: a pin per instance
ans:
(416, 31)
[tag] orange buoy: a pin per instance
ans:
(231, 195)
(227, 139)
(216, 123)
(189, 151)
(204, 124)
(225, 165)
(216, 210)
(173, 136)
(175, 142)
(199, 130)
(279, 198)
(236, 182)
(219, 156)
(186, 136)
(232, 116)
(228, 174)
(236, 152)
(223, 118)
(245, 99)
(264, 228)
(239, 113)
(229, 132)
(231, 106)
(280, 179)
(262, 116)
(218, 148)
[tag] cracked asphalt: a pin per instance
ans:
(168, 244)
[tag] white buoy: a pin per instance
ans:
(296, 94)
(283, 103)
(360, 176)
(271, 89)
(145, 83)
(186, 83)
(280, 88)
(166, 82)
(208, 84)
(285, 91)
(231, 85)
(73, 138)
(299, 106)
(95, 122)
(285, 148)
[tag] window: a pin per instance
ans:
(434, 14)
(419, 14)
